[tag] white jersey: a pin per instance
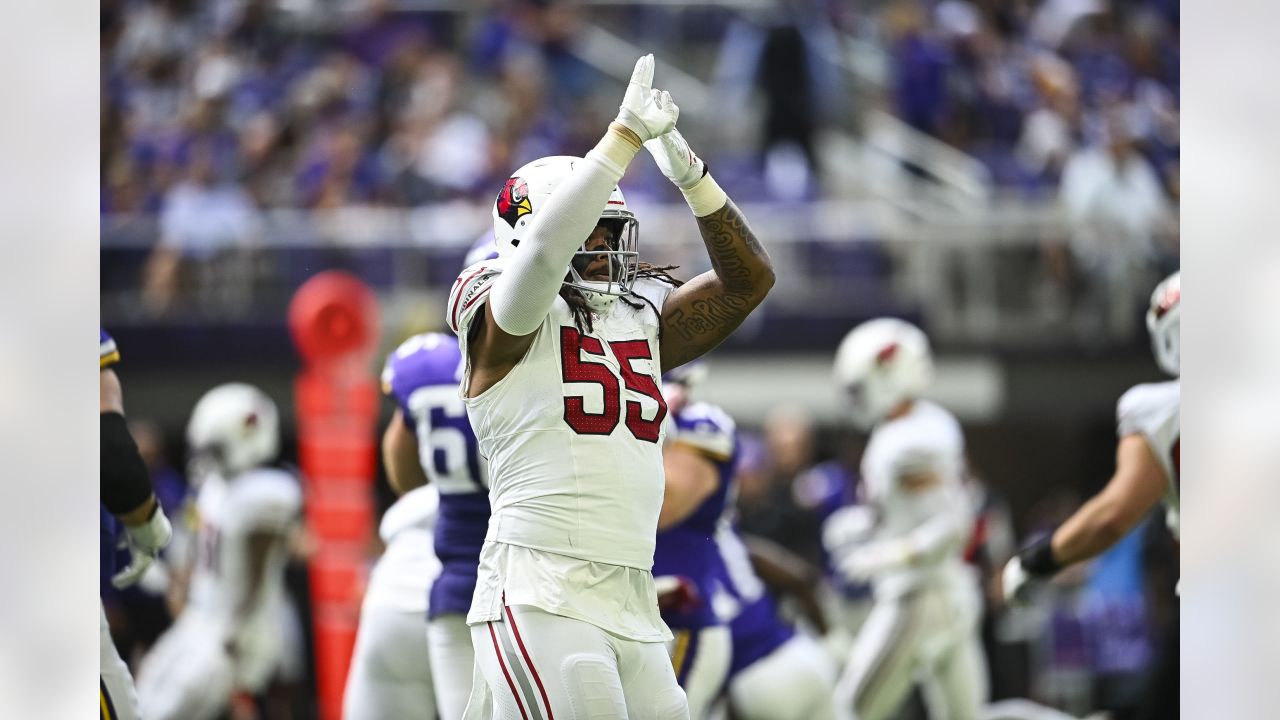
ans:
(1152, 410)
(573, 438)
(401, 578)
(230, 512)
(927, 439)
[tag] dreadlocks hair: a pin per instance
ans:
(582, 312)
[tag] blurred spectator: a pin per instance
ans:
(338, 172)
(1050, 131)
(1120, 222)
(920, 64)
(209, 219)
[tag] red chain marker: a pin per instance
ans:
(333, 319)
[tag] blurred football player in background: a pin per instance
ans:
(390, 675)
(909, 537)
(1147, 470)
(429, 440)
(128, 500)
(771, 670)
(564, 337)
(228, 639)
(698, 460)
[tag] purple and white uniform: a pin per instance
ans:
(702, 648)
(117, 695)
(776, 673)
(689, 549)
(422, 376)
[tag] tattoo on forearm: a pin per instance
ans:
(726, 235)
(744, 273)
(708, 316)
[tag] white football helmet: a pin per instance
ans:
(879, 364)
(234, 427)
(524, 195)
(1163, 323)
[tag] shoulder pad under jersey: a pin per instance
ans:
(265, 499)
(705, 428)
(1143, 408)
(423, 360)
(468, 294)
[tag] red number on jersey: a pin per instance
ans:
(573, 368)
(626, 351)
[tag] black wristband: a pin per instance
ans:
(124, 484)
(1037, 558)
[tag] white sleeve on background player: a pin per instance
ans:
(522, 295)
(1144, 408)
(265, 500)
(944, 532)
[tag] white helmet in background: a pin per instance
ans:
(879, 364)
(1163, 323)
(234, 427)
(523, 197)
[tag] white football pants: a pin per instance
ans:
(117, 699)
(706, 653)
(187, 675)
(390, 675)
(926, 636)
(452, 663)
(794, 682)
(537, 666)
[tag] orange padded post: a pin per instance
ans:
(333, 319)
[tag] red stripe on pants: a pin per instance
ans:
(529, 661)
(497, 651)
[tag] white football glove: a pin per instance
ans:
(1015, 582)
(862, 564)
(646, 112)
(145, 542)
(849, 526)
(671, 151)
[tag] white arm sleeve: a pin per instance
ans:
(942, 534)
(523, 293)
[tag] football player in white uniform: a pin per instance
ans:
(1147, 469)
(565, 338)
(429, 440)
(390, 675)
(909, 536)
(227, 638)
(128, 500)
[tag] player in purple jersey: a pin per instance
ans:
(430, 440)
(698, 461)
(773, 672)
(777, 673)
(128, 501)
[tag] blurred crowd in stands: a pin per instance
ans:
(214, 111)
(233, 104)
